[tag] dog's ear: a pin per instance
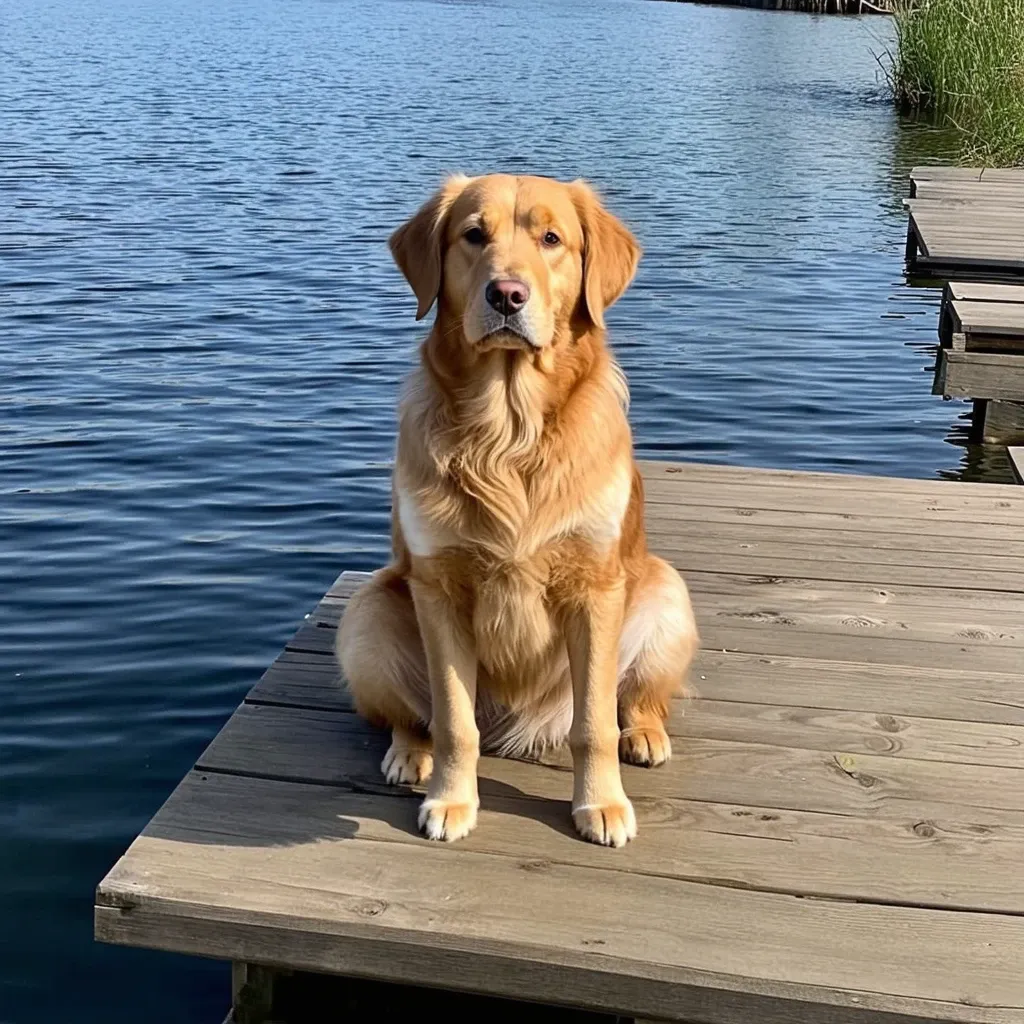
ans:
(418, 245)
(610, 253)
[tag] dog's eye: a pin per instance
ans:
(551, 239)
(474, 236)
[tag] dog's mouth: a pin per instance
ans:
(507, 337)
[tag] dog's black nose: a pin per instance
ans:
(507, 295)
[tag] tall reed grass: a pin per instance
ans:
(962, 61)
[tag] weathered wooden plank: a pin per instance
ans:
(980, 375)
(314, 681)
(1000, 195)
(333, 748)
(654, 990)
(830, 856)
(773, 637)
(973, 291)
(980, 218)
(869, 732)
(978, 222)
(976, 228)
(813, 723)
(678, 517)
(1005, 318)
(911, 613)
(808, 483)
(983, 326)
(868, 623)
(693, 554)
(1001, 503)
(760, 630)
(905, 598)
(967, 696)
(311, 877)
(951, 246)
(940, 172)
(918, 604)
(976, 207)
(952, 241)
(831, 547)
(678, 521)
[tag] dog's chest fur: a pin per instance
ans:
(511, 571)
(495, 508)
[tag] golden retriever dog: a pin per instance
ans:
(521, 606)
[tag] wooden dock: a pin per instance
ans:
(966, 221)
(967, 225)
(981, 356)
(840, 837)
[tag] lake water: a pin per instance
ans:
(203, 337)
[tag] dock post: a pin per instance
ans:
(998, 422)
(252, 993)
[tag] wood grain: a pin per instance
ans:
(766, 630)
(973, 291)
(980, 375)
(314, 681)
(865, 615)
(832, 856)
(970, 222)
(338, 749)
(249, 870)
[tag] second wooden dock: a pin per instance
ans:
(967, 222)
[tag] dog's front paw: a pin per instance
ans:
(647, 746)
(403, 765)
(611, 824)
(440, 819)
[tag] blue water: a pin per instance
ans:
(203, 335)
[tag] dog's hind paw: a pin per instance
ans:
(647, 746)
(404, 765)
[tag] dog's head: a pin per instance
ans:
(514, 260)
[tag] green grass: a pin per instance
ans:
(962, 62)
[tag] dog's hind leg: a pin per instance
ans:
(384, 666)
(658, 642)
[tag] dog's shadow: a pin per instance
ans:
(221, 808)
(509, 815)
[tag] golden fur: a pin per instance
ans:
(521, 607)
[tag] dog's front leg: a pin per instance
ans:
(449, 811)
(600, 809)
